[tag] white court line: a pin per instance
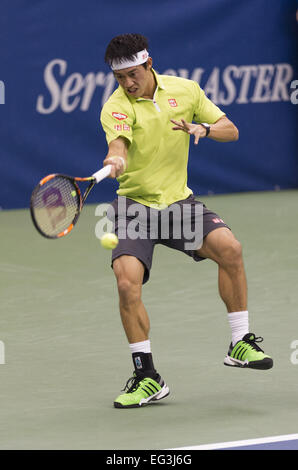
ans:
(246, 442)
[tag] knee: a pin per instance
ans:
(129, 291)
(232, 254)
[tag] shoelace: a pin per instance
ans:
(252, 342)
(132, 384)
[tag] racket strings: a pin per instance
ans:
(55, 205)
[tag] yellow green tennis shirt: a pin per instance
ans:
(156, 173)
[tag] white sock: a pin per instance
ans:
(142, 346)
(239, 325)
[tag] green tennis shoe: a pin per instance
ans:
(246, 353)
(140, 391)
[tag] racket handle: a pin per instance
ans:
(103, 173)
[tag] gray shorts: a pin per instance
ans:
(139, 228)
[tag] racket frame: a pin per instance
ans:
(94, 179)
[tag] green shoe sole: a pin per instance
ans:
(163, 393)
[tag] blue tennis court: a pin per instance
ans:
(287, 442)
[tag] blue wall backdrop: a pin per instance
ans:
(54, 81)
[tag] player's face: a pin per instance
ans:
(137, 81)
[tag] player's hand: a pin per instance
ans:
(190, 128)
(118, 166)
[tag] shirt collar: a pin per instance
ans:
(159, 85)
(158, 80)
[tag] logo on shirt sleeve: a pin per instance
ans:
(119, 116)
(173, 102)
(119, 127)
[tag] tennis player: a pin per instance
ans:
(148, 122)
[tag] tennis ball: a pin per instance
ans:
(109, 241)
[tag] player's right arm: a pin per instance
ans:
(117, 156)
(117, 121)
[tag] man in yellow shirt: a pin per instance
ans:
(148, 122)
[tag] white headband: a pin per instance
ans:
(139, 58)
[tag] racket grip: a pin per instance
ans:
(103, 173)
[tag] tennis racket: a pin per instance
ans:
(56, 202)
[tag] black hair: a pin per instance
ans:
(125, 47)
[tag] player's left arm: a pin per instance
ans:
(223, 130)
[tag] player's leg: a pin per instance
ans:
(129, 272)
(146, 385)
(221, 246)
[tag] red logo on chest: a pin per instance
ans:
(173, 102)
